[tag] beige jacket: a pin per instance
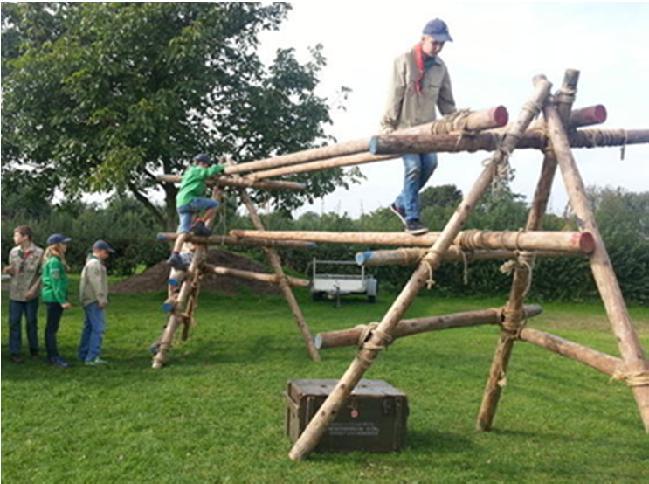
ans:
(93, 286)
(26, 265)
(406, 107)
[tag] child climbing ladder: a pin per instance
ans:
(191, 200)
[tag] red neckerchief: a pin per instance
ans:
(419, 59)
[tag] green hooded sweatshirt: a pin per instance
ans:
(54, 280)
(193, 182)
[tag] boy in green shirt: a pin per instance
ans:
(191, 200)
(54, 292)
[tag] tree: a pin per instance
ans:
(104, 96)
(441, 195)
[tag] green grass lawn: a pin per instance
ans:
(216, 412)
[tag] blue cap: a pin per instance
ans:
(102, 245)
(438, 30)
(203, 158)
(58, 239)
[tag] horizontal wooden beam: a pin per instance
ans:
(391, 145)
(240, 182)
(607, 364)
(581, 242)
(254, 276)
(407, 327)
(229, 240)
(411, 256)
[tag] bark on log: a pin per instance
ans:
(489, 118)
(229, 240)
(410, 256)
(254, 276)
(240, 182)
(578, 242)
(385, 145)
(408, 327)
(379, 337)
(610, 365)
(276, 264)
(631, 350)
(522, 274)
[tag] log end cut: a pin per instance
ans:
(500, 116)
(585, 241)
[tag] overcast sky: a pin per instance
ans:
(497, 49)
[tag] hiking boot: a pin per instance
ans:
(399, 213)
(199, 229)
(96, 361)
(176, 261)
(415, 227)
(58, 361)
(16, 359)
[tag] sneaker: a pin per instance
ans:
(399, 213)
(154, 348)
(176, 261)
(168, 306)
(16, 359)
(96, 361)
(415, 227)
(58, 361)
(200, 229)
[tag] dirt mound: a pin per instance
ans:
(154, 279)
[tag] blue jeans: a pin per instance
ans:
(93, 332)
(417, 170)
(187, 211)
(16, 311)
(54, 313)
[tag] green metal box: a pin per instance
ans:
(372, 420)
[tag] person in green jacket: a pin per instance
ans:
(54, 293)
(191, 200)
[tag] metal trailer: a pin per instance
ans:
(335, 285)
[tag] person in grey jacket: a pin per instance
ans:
(93, 293)
(420, 84)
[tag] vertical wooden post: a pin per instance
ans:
(276, 263)
(635, 360)
(187, 298)
(513, 311)
(382, 335)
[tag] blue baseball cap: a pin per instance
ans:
(58, 239)
(203, 158)
(102, 245)
(438, 30)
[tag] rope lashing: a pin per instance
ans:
(632, 378)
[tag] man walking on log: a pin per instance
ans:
(420, 83)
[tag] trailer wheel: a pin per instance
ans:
(317, 296)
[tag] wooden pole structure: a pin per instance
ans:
(240, 182)
(275, 263)
(489, 118)
(411, 256)
(513, 314)
(383, 333)
(452, 143)
(254, 276)
(610, 365)
(408, 327)
(631, 351)
(229, 240)
(579, 242)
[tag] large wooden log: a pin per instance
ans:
(407, 327)
(411, 256)
(230, 240)
(254, 276)
(385, 145)
(579, 242)
(522, 275)
(383, 333)
(240, 182)
(489, 118)
(607, 364)
(629, 345)
(276, 264)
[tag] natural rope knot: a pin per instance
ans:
(453, 122)
(365, 339)
(430, 282)
(632, 378)
(467, 240)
